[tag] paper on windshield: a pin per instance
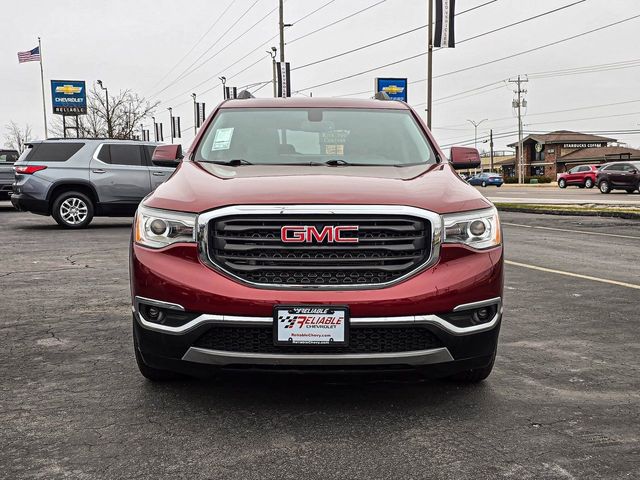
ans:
(222, 140)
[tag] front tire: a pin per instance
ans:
(476, 375)
(484, 184)
(562, 183)
(72, 210)
(588, 183)
(604, 187)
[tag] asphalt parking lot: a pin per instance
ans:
(562, 403)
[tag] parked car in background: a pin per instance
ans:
(619, 176)
(583, 176)
(486, 179)
(7, 159)
(74, 180)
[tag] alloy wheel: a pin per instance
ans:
(74, 210)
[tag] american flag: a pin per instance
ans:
(29, 55)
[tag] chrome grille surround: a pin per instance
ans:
(203, 235)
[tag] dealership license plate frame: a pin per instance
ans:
(333, 308)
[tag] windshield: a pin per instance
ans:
(315, 136)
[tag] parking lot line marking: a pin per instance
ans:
(575, 275)
(572, 231)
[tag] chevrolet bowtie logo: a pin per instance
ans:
(393, 89)
(68, 89)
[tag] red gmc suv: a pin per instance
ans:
(316, 234)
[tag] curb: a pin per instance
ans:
(574, 213)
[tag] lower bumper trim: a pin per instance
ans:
(413, 358)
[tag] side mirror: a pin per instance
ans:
(463, 158)
(167, 156)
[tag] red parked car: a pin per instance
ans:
(584, 176)
(308, 233)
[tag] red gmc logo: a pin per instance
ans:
(309, 234)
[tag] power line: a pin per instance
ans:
(466, 40)
(195, 44)
(179, 77)
(392, 37)
(314, 11)
(336, 22)
(572, 37)
(215, 76)
(201, 64)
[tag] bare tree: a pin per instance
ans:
(17, 138)
(126, 111)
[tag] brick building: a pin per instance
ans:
(551, 153)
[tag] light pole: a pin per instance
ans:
(195, 114)
(224, 90)
(475, 128)
(273, 53)
(106, 91)
(171, 122)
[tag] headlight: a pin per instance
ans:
(158, 228)
(479, 229)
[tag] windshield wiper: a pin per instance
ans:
(335, 162)
(236, 162)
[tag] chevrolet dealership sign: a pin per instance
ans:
(396, 88)
(68, 97)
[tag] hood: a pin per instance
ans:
(197, 187)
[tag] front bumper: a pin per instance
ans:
(174, 277)
(177, 347)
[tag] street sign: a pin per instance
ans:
(396, 88)
(68, 97)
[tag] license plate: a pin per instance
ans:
(311, 325)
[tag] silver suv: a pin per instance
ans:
(74, 180)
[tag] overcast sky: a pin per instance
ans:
(136, 45)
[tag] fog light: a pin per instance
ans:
(484, 314)
(477, 228)
(158, 227)
(153, 313)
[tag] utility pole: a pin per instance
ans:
(281, 27)
(429, 63)
(491, 148)
(273, 53)
(519, 103)
(171, 122)
(195, 114)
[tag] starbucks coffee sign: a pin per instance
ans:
(583, 145)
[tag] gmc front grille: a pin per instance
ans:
(389, 248)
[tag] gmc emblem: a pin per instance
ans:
(310, 234)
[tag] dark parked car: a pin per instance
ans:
(583, 176)
(619, 176)
(7, 159)
(486, 179)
